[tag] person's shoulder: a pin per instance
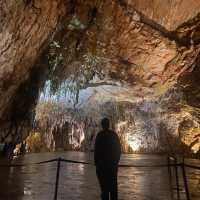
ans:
(113, 132)
(99, 134)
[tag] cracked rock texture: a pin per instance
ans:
(24, 31)
(150, 46)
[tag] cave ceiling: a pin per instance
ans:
(144, 47)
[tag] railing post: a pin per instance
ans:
(185, 182)
(170, 176)
(177, 179)
(57, 178)
(169, 167)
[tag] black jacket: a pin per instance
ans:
(107, 149)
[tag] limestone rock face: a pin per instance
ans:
(147, 44)
(160, 125)
(169, 14)
(25, 27)
(58, 127)
(150, 47)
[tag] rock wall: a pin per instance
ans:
(151, 47)
(25, 27)
(162, 125)
(159, 125)
(59, 127)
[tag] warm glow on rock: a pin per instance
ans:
(134, 143)
(120, 125)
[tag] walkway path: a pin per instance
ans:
(78, 182)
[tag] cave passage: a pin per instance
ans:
(65, 65)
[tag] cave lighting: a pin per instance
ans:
(134, 142)
(135, 146)
(120, 125)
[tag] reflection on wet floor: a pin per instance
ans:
(78, 182)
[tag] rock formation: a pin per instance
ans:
(149, 47)
(59, 127)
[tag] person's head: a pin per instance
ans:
(105, 123)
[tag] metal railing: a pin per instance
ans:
(182, 165)
(171, 162)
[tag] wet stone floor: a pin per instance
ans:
(78, 182)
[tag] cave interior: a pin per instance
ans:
(64, 65)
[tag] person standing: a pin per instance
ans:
(107, 154)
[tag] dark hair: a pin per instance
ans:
(105, 123)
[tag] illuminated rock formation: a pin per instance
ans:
(145, 49)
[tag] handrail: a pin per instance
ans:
(27, 164)
(172, 157)
(78, 162)
(85, 163)
(183, 165)
(192, 166)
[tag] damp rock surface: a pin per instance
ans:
(150, 48)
